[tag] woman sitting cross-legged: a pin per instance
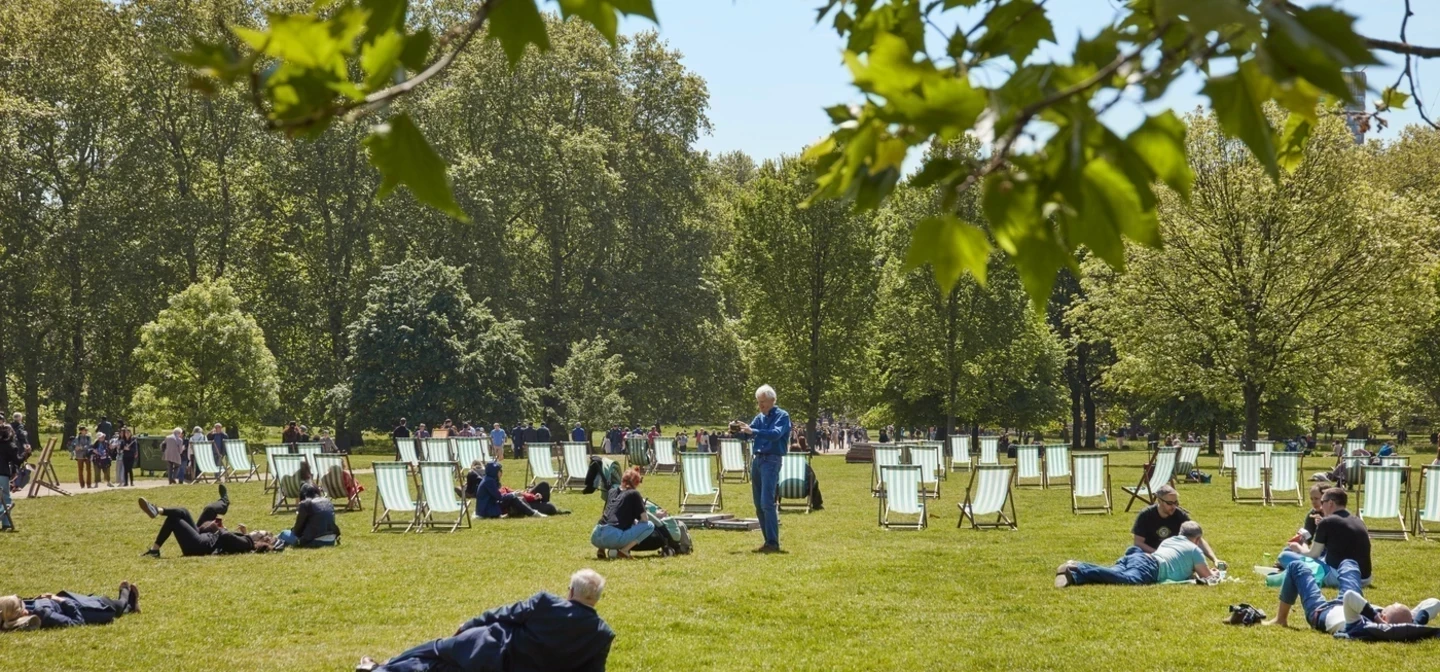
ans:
(208, 536)
(624, 523)
(67, 609)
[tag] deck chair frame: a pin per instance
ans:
(734, 462)
(437, 489)
(330, 470)
(1283, 475)
(664, 454)
(206, 468)
(989, 451)
(1385, 474)
(1029, 466)
(1056, 461)
(238, 455)
(696, 468)
(894, 455)
(393, 476)
(44, 476)
(287, 483)
(467, 449)
(991, 478)
(961, 459)
(899, 479)
(792, 490)
(575, 458)
(1159, 471)
(1187, 459)
(405, 449)
(1228, 448)
(931, 459)
(1249, 473)
(540, 465)
(270, 452)
(429, 447)
(1427, 504)
(1102, 482)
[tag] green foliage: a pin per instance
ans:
(423, 348)
(401, 154)
(588, 386)
(204, 360)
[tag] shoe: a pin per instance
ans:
(767, 548)
(1426, 611)
(540, 515)
(224, 494)
(1063, 577)
(600, 554)
(148, 508)
(154, 553)
(366, 664)
(134, 598)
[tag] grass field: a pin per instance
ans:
(846, 596)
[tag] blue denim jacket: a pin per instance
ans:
(772, 433)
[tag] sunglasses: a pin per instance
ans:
(1171, 503)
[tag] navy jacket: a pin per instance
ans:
(487, 500)
(314, 518)
(772, 432)
(542, 634)
(73, 610)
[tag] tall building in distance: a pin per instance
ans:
(1355, 111)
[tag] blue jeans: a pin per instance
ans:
(1300, 582)
(1134, 568)
(1332, 575)
(611, 537)
(764, 482)
(5, 502)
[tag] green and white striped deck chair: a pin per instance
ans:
(793, 490)
(1089, 479)
(206, 468)
(637, 453)
(883, 456)
(437, 450)
(960, 457)
(665, 455)
(394, 505)
(1187, 460)
(944, 472)
(437, 485)
(1057, 464)
(1352, 445)
(1284, 477)
(1247, 486)
(732, 461)
(239, 459)
(1354, 464)
(1029, 473)
(901, 496)
(1228, 449)
(309, 451)
(330, 470)
(1395, 460)
(989, 450)
(270, 453)
(1160, 471)
(540, 465)
(468, 449)
(698, 482)
(405, 448)
(575, 456)
(928, 457)
(989, 492)
(287, 482)
(1380, 500)
(1427, 508)
(1266, 448)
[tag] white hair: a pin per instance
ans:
(765, 392)
(1190, 529)
(586, 586)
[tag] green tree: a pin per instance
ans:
(204, 360)
(422, 348)
(588, 386)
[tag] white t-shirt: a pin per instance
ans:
(1177, 558)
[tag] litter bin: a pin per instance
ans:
(152, 458)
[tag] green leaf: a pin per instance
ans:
(1012, 207)
(1237, 100)
(1016, 28)
(417, 50)
(598, 13)
(1161, 142)
(380, 58)
(1292, 141)
(1393, 99)
(517, 24)
(1317, 44)
(1111, 208)
(384, 15)
(402, 155)
(212, 59)
(645, 8)
(951, 247)
(839, 114)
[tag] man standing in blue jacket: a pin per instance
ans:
(542, 634)
(769, 435)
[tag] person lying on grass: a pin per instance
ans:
(209, 536)
(1348, 607)
(1162, 520)
(314, 521)
(544, 633)
(493, 500)
(67, 609)
(1177, 559)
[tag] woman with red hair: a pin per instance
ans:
(624, 522)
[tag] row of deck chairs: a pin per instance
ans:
(461, 450)
(440, 503)
(702, 483)
(1261, 478)
(661, 458)
(282, 471)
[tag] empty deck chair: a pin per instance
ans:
(1028, 470)
(1089, 480)
(394, 505)
(1381, 500)
(239, 458)
(792, 492)
(989, 450)
(206, 468)
(1355, 463)
(270, 453)
(884, 456)
(1057, 464)
(1266, 448)
(901, 496)
(437, 450)
(928, 457)
(1228, 448)
(665, 455)
(437, 484)
(960, 457)
(287, 482)
(1283, 478)
(700, 490)
(1160, 471)
(1248, 484)
(1427, 507)
(1187, 460)
(637, 453)
(939, 446)
(330, 471)
(989, 492)
(468, 450)
(733, 465)
(541, 465)
(575, 458)
(309, 451)
(405, 449)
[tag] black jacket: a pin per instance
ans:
(542, 634)
(314, 518)
(9, 457)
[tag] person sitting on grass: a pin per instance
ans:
(1349, 610)
(1177, 559)
(1161, 520)
(209, 536)
(624, 523)
(494, 501)
(67, 609)
(314, 521)
(1339, 536)
(544, 632)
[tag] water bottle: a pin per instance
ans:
(1222, 567)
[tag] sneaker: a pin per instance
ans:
(148, 508)
(134, 598)
(1063, 577)
(1426, 611)
(154, 553)
(224, 494)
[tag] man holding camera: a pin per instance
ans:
(769, 435)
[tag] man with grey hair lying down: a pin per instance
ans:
(542, 633)
(1177, 559)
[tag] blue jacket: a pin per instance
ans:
(73, 610)
(577, 434)
(487, 500)
(542, 634)
(772, 432)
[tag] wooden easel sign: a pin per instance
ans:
(45, 475)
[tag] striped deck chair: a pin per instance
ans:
(793, 489)
(575, 458)
(1187, 460)
(287, 482)
(733, 463)
(989, 492)
(1249, 476)
(884, 456)
(309, 451)
(1266, 448)
(437, 450)
(394, 505)
(1057, 464)
(698, 481)
(1427, 507)
(330, 471)
(239, 459)
(1160, 471)
(665, 455)
(989, 450)
(1028, 467)
(960, 457)
(206, 468)
(540, 461)
(637, 453)
(1089, 479)
(270, 453)
(405, 448)
(901, 495)
(1284, 476)
(1228, 449)
(928, 457)
(469, 449)
(1381, 500)
(1354, 464)
(939, 446)
(437, 485)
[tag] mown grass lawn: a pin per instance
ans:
(847, 596)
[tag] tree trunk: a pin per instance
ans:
(1214, 434)
(1076, 416)
(1088, 401)
(1251, 392)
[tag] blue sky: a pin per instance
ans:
(771, 70)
